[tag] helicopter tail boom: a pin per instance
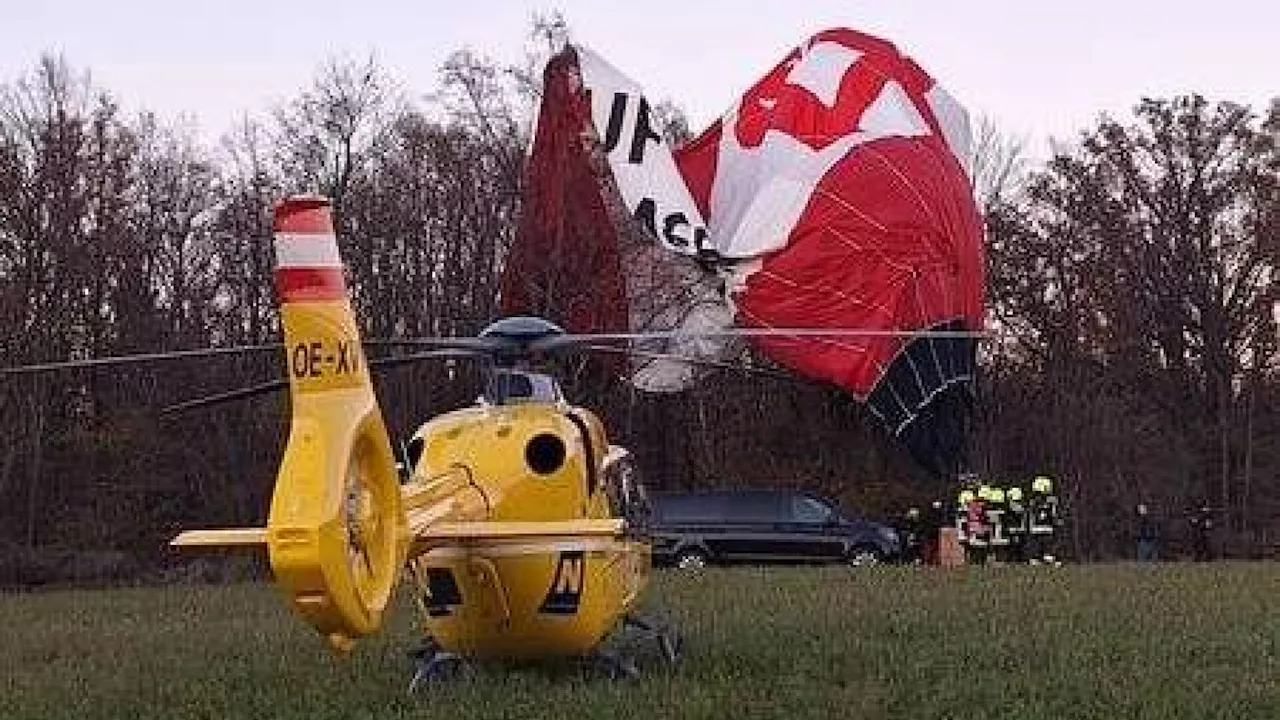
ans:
(336, 534)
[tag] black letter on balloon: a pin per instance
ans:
(614, 130)
(669, 225)
(644, 132)
(647, 213)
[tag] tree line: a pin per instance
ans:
(1132, 286)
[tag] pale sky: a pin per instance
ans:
(1040, 69)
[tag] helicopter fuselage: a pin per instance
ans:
(532, 593)
(516, 520)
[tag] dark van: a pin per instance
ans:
(692, 530)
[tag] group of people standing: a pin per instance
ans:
(1147, 532)
(1006, 524)
(1010, 524)
(993, 523)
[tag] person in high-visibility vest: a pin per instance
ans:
(963, 499)
(998, 540)
(1044, 519)
(1016, 524)
(976, 525)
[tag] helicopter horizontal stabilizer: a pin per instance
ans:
(439, 532)
(487, 533)
(226, 537)
(521, 529)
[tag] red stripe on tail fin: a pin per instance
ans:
(303, 215)
(310, 284)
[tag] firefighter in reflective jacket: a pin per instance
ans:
(1043, 521)
(996, 508)
(965, 497)
(1015, 524)
(976, 525)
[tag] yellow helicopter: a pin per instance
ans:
(522, 527)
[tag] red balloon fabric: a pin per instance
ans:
(834, 195)
(843, 172)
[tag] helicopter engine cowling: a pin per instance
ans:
(337, 534)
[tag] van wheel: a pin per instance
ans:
(691, 560)
(864, 555)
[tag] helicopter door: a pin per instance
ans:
(627, 496)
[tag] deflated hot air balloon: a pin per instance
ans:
(834, 196)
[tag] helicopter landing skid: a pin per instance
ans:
(670, 644)
(612, 665)
(433, 665)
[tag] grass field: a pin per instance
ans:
(1107, 641)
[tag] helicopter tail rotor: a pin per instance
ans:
(337, 533)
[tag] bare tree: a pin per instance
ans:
(1134, 272)
(322, 135)
(249, 187)
(1000, 164)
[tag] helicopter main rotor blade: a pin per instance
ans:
(554, 342)
(281, 384)
(138, 358)
(558, 342)
(388, 363)
(452, 343)
(675, 357)
(471, 344)
(240, 394)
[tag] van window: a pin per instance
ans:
(690, 509)
(753, 507)
(808, 510)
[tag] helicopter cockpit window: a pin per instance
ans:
(516, 387)
(507, 387)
